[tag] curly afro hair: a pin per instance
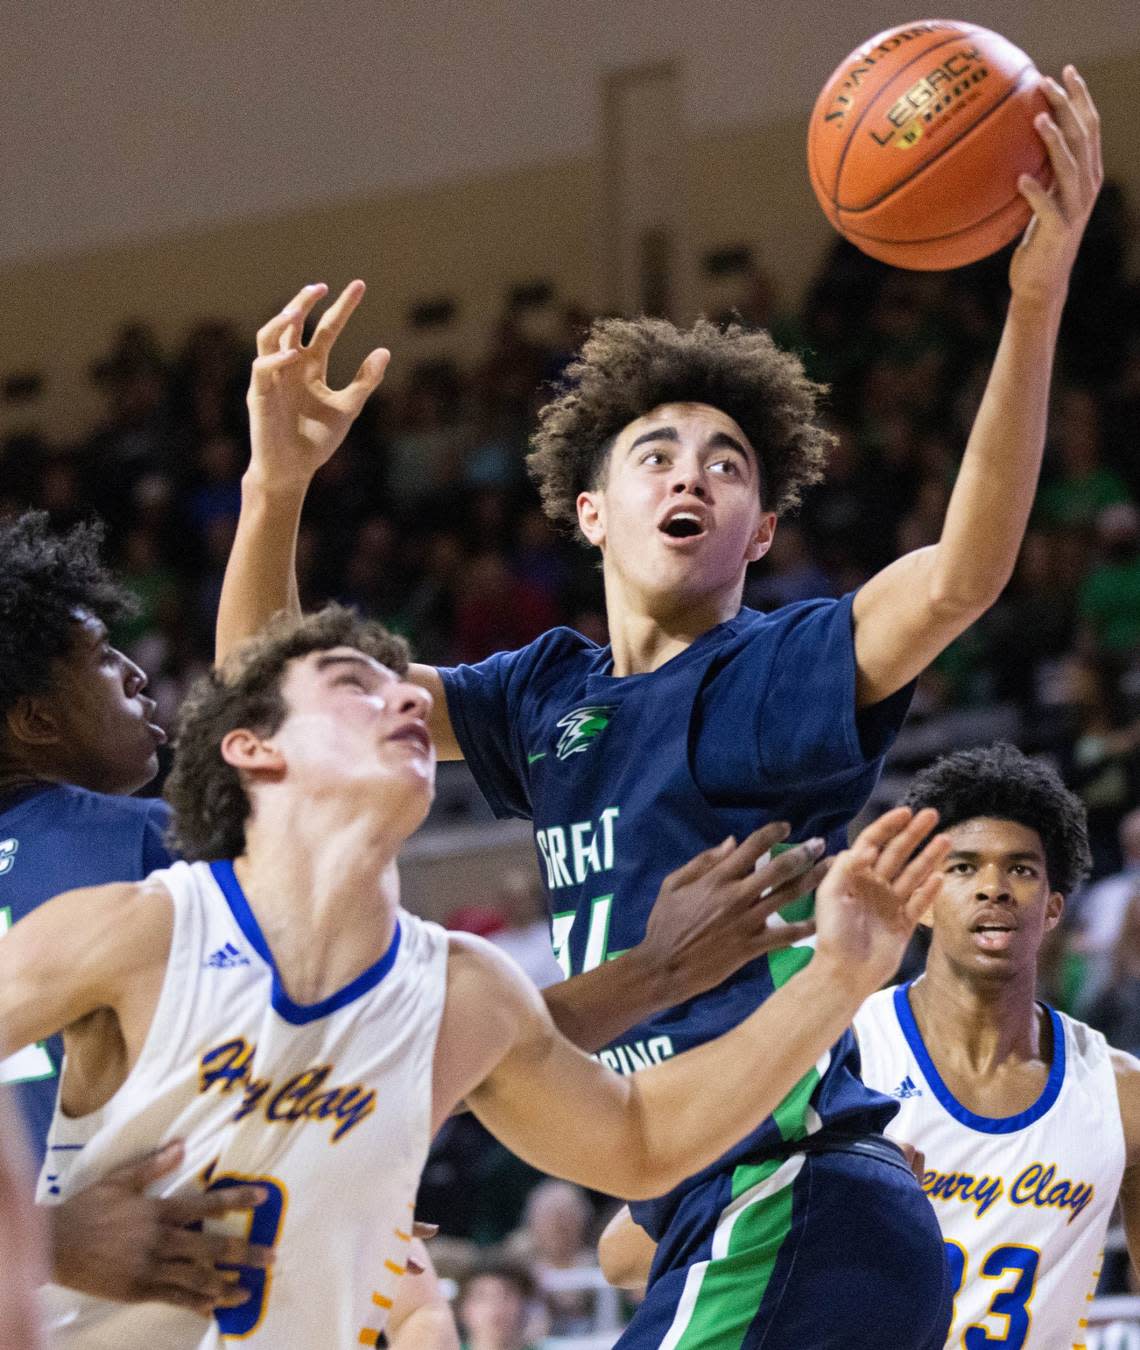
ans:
(207, 794)
(628, 367)
(1001, 782)
(46, 578)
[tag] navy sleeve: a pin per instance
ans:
(786, 704)
(483, 704)
(494, 708)
(810, 728)
(155, 851)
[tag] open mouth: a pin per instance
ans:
(993, 936)
(684, 525)
(414, 736)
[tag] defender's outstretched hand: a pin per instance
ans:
(877, 890)
(1042, 262)
(720, 910)
(296, 422)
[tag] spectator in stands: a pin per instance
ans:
(525, 934)
(1109, 604)
(1084, 487)
(494, 1307)
(556, 1238)
(1102, 910)
(1116, 1011)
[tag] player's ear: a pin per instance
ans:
(1054, 908)
(245, 750)
(592, 517)
(761, 541)
(31, 723)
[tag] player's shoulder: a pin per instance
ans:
(880, 1005)
(771, 627)
(480, 978)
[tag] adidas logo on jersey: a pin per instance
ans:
(907, 1089)
(225, 958)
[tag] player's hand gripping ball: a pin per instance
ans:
(917, 140)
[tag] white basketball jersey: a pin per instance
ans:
(1023, 1201)
(327, 1106)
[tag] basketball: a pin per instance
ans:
(917, 140)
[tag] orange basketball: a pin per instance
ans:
(917, 140)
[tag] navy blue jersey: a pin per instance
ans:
(627, 778)
(54, 838)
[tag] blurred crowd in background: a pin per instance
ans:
(425, 519)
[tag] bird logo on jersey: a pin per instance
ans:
(581, 728)
(8, 849)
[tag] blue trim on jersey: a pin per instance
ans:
(296, 1013)
(984, 1124)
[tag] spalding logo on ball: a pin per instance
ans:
(917, 141)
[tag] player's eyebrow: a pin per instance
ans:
(330, 659)
(972, 855)
(657, 434)
(719, 440)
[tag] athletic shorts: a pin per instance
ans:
(832, 1249)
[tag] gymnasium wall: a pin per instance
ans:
(202, 159)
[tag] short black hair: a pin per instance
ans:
(207, 795)
(44, 579)
(1002, 782)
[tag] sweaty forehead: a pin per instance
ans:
(994, 835)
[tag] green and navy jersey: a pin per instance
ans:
(628, 778)
(54, 838)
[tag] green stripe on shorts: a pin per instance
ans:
(733, 1286)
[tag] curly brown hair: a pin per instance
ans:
(628, 367)
(207, 795)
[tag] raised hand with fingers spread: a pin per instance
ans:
(873, 897)
(296, 420)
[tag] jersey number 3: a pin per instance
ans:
(1012, 1303)
(33, 1062)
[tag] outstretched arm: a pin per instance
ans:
(915, 608)
(296, 424)
(637, 1137)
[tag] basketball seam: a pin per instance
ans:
(941, 238)
(919, 56)
(844, 211)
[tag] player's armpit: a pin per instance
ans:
(625, 1252)
(84, 950)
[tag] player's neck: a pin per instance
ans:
(325, 894)
(648, 630)
(976, 1025)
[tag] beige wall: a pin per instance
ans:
(469, 239)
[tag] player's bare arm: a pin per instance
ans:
(421, 1317)
(636, 1137)
(67, 968)
(1127, 1069)
(711, 917)
(625, 1252)
(915, 607)
(23, 1252)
